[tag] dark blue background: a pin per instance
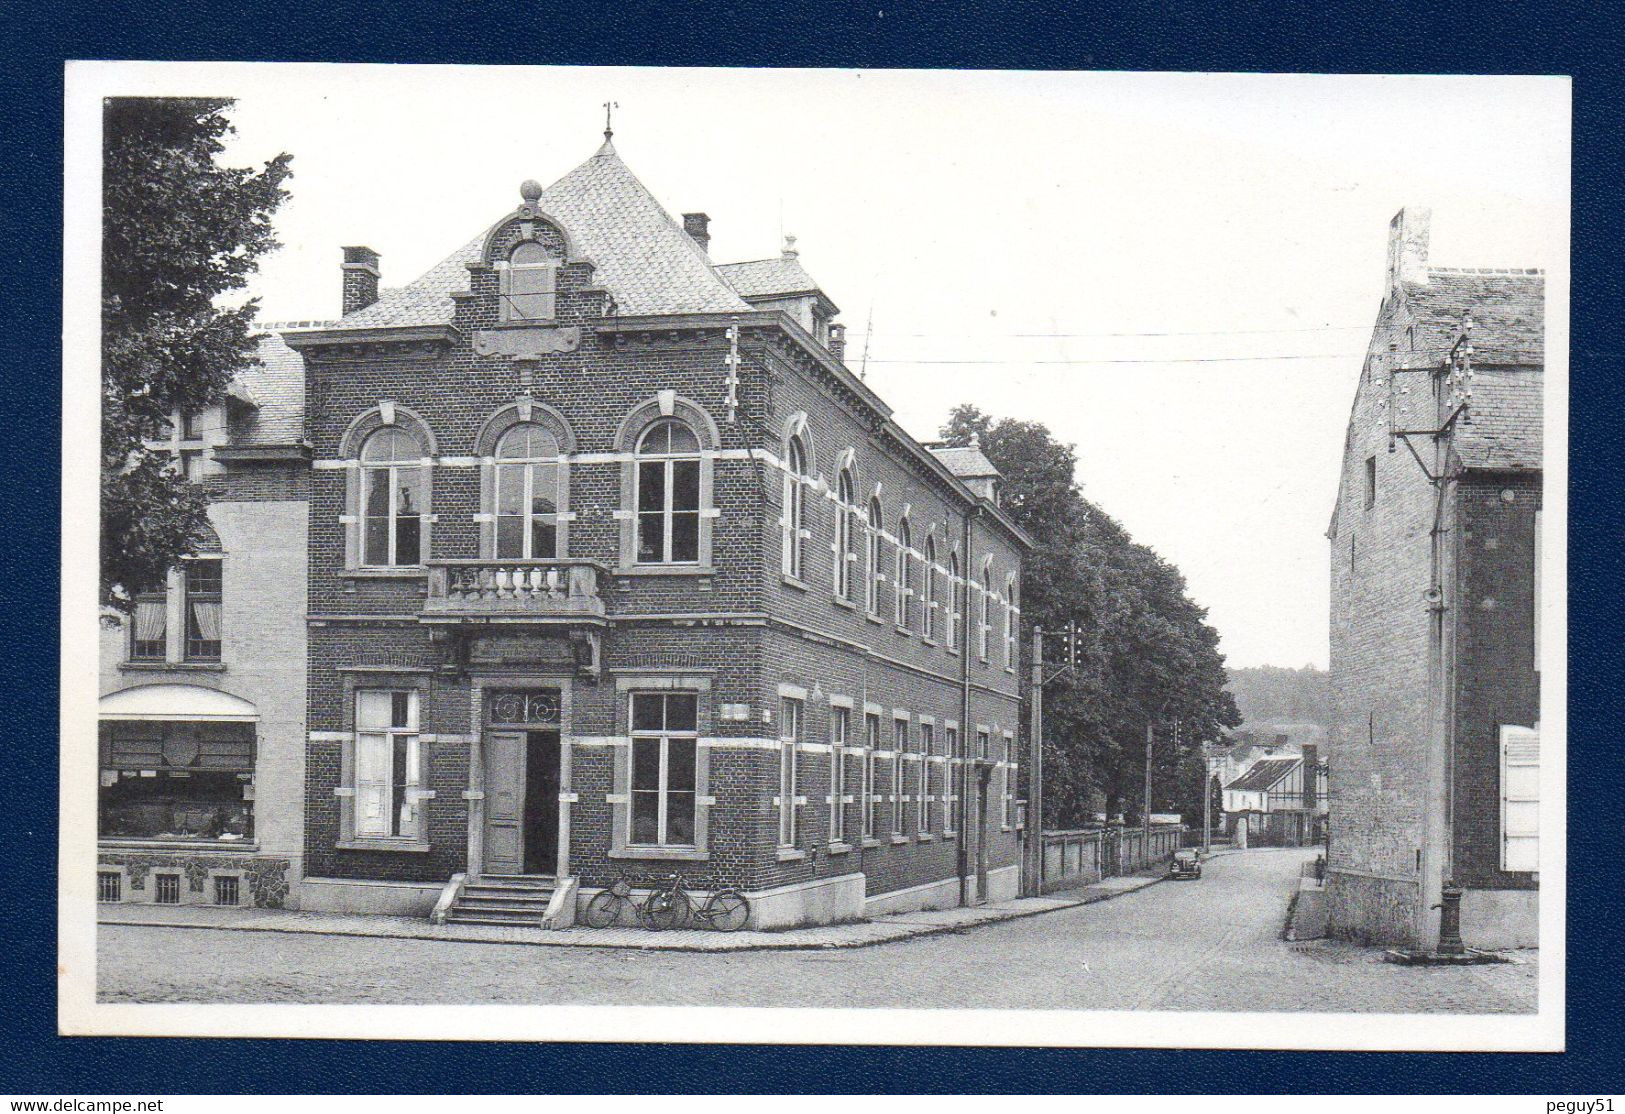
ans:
(1581, 40)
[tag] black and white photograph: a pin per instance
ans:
(907, 557)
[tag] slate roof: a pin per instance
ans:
(643, 256)
(764, 278)
(1505, 430)
(965, 462)
(1508, 309)
(1263, 774)
(277, 390)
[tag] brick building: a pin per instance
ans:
(615, 569)
(1434, 585)
(202, 733)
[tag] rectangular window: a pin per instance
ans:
(1370, 481)
(922, 818)
(176, 781)
(981, 745)
(149, 628)
(1520, 799)
(109, 886)
(899, 798)
(839, 722)
(388, 764)
(166, 889)
(950, 788)
(227, 890)
(790, 717)
(201, 583)
(668, 512)
(665, 755)
(871, 742)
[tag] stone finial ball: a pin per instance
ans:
(530, 190)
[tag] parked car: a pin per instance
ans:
(1186, 864)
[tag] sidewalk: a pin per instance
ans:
(860, 934)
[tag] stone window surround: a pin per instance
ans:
(386, 413)
(345, 790)
(620, 798)
(665, 404)
(522, 412)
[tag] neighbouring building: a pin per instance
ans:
(202, 717)
(616, 570)
(1435, 651)
(1279, 801)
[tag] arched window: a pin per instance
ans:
(956, 595)
(527, 493)
(982, 624)
(795, 508)
(846, 524)
(528, 284)
(928, 611)
(668, 494)
(904, 568)
(872, 566)
(1011, 625)
(392, 499)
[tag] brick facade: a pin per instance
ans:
(731, 627)
(1432, 619)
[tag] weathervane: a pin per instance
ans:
(609, 130)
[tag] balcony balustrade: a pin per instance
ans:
(560, 590)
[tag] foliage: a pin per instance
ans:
(179, 232)
(1145, 652)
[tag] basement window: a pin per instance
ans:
(167, 889)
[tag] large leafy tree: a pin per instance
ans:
(179, 233)
(1145, 652)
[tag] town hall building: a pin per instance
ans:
(616, 570)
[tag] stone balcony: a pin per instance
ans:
(564, 591)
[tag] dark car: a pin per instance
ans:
(1186, 864)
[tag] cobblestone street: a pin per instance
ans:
(1213, 944)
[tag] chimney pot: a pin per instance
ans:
(837, 340)
(360, 269)
(698, 227)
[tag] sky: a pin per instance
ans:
(1176, 273)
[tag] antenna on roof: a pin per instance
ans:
(868, 331)
(609, 130)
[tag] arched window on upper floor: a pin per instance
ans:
(668, 494)
(1012, 622)
(793, 512)
(528, 478)
(983, 625)
(956, 598)
(529, 284)
(393, 482)
(928, 609)
(846, 532)
(872, 570)
(904, 573)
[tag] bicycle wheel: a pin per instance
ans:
(727, 911)
(604, 909)
(660, 910)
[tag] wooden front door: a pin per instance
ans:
(505, 802)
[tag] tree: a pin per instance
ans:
(179, 232)
(1145, 652)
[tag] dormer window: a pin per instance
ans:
(529, 284)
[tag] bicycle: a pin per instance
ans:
(605, 907)
(726, 910)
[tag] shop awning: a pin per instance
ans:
(191, 703)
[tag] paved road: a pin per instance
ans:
(1213, 944)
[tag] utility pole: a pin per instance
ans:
(1207, 799)
(1033, 876)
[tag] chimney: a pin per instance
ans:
(1408, 247)
(360, 278)
(837, 340)
(1311, 774)
(698, 227)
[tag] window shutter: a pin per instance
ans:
(1520, 799)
